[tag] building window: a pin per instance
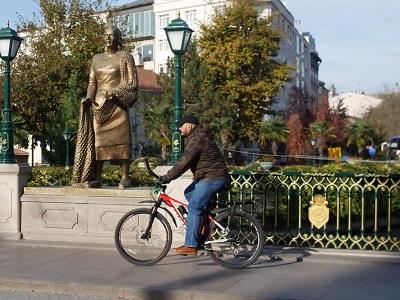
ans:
(190, 17)
(298, 65)
(163, 21)
(122, 22)
(163, 45)
(145, 53)
(161, 69)
(136, 25)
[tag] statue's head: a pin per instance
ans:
(113, 36)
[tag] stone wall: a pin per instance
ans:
(80, 215)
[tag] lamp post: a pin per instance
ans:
(313, 143)
(9, 45)
(67, 134)
(178, 35)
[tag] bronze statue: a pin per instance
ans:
(105, 130)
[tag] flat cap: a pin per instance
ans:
(190, 120)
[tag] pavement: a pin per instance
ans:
(66, 271)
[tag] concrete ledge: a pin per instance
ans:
(79, 215)
(139, 192)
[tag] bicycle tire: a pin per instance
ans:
(245, 240)
(137, 250)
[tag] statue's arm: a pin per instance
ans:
(92, 86)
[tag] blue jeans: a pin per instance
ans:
(199, 194)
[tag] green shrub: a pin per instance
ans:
(49, 176)
(58, 176)
(353, 168)
(111, 175)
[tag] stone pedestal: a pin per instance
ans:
(13, 178)
(66, 214)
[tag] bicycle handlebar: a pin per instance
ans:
(150, 171)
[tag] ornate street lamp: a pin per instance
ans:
(67, 134)
(9, 45)
(178, 34)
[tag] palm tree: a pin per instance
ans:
(223, 130)
(359, 133)
(321, 132)
(156, 123)
(274, 130)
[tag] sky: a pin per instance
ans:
(357, 40)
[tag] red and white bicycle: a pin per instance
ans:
(233, 238)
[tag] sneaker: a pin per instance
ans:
(183, 250)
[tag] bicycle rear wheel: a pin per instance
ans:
(133, 246)
(239, 241)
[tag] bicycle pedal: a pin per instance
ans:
(207, 247)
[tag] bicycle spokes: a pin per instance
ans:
(235, 240)
(140, 240)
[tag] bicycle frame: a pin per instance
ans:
(162, 197)
(173, 203)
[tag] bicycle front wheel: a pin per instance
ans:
(235, 240)
(136, 248)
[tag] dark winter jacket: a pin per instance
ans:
(201, 156)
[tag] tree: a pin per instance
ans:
(297, 143)
(339, 121)
(204, 102)
(222, 127)
(299, 103)
(321, 132)
(157, 112)
(274, 131)
(299, 118)
(360, 134)
(157, 120)
(322, 111)
(238, 50)
(385, 117)
(192, 78)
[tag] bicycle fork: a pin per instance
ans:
(147, 233)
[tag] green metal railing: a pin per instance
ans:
(364, 210)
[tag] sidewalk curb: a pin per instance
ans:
(135, 293)
(111, 247)
(394, 255)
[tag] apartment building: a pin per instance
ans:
(143, 22)
(137, 22)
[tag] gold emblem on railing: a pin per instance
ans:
(318, 212)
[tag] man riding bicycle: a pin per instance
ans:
(207, 164)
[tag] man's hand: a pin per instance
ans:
(164, 179)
